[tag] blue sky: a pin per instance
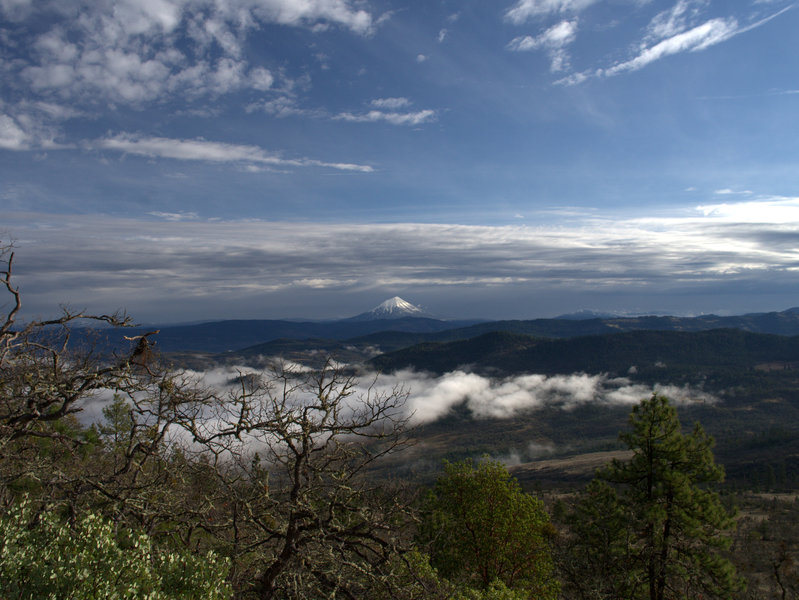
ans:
(203, 159)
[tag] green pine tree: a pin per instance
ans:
(663, 526)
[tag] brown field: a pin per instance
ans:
(581, 465)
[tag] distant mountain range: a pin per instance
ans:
(397, 324)
(394, 315)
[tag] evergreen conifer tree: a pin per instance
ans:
(673, 525)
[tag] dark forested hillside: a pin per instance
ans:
(641, 351)
(778, 323)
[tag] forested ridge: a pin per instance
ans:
(515, 353)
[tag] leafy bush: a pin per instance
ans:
(42, 556)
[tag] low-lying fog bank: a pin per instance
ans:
(431, 397)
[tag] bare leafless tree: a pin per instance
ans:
(291, 451)
(41, 382)
(44, 382)
(273, 473)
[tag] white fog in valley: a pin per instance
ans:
(428, 397)
(431, 397)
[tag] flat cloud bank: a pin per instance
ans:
(720, 257)
(432, 397)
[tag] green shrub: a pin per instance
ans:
(44, 557)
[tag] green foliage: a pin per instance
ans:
(416, 579)
(483, 530)
(119, 422)
(496, 590)
(603, 547)
(42, 556)
(654, 516)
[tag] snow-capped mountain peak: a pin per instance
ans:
(396, 306)
(393, 308)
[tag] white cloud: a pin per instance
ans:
(670, 32)
(774, 210)
(144, 16)
(202, 150)
(56, 112)
(675, 20)
(394, 118)
(572, 79)
(180, 216)
(261, 79)
(525, 10)
(554, 40)
(304, 12)
(420, 58)
(730, 192)
(383, 109)
(12, 137)
(556, 36)
(699, 38)
(390, 103)
(442, 35)
(559, 35)
(29, 125)
(136, 51)
(432, 397)
(682, 16)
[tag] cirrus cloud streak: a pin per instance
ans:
(203, 150)
(674, 31)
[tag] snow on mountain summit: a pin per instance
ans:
(396, 306)
(393, 308)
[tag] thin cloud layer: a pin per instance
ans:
(203, 150)
(394, 118)
(179, 266)
(394, 111)
(524, 10)
(390, 103)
